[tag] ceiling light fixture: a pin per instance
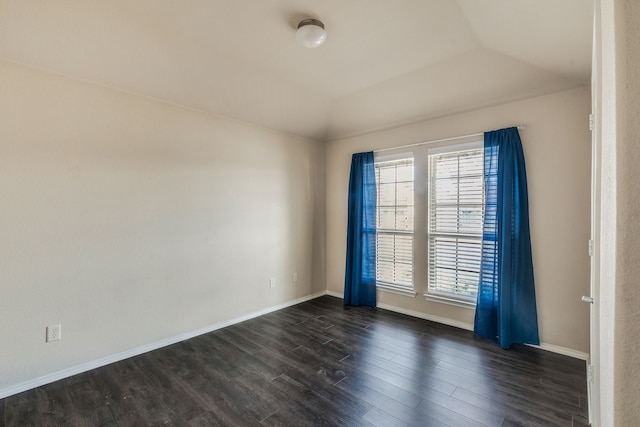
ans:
(311, 33)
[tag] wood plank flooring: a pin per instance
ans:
(319, 363)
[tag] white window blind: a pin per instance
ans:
(455, 223)
(394, 224)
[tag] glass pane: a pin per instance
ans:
(386, 218)
(405, 172)
(445, 166)
(384, 271)
(445, 190)
(471, 163)
(404, 274)
(444, 219)
(404, 193)
(471, 219)
(471, 189)
(387, 173)
(387, 194)
(404, 219)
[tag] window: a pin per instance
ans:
(394, 224)
(455, 216)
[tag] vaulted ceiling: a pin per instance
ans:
(385, 63)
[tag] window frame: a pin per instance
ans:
(434, 294)
(384, 285)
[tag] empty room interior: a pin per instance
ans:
(297, 212)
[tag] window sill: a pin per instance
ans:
(394, 290)
(450, 301)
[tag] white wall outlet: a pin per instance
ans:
(295, 277)
(272, 282)
(54, 332)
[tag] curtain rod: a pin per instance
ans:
(453, 138)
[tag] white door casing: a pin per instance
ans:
(593, 367)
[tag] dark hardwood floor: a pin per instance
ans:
(318, 363)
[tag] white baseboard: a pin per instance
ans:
(425, 316)
(469, 327)
(335, 294)
(562, 350)
(418, 314)
(65, 373)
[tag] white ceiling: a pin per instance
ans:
(385, 63)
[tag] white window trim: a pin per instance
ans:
(448, 148)
(458, 302)
(449, 299)
(393, 290)
(379, 158)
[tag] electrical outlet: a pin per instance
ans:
(295, 277)
(54, 332)
(272, 282)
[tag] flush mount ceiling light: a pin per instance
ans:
(311, 33)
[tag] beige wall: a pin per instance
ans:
(620, 225)
(130, 221)
(557, 146)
